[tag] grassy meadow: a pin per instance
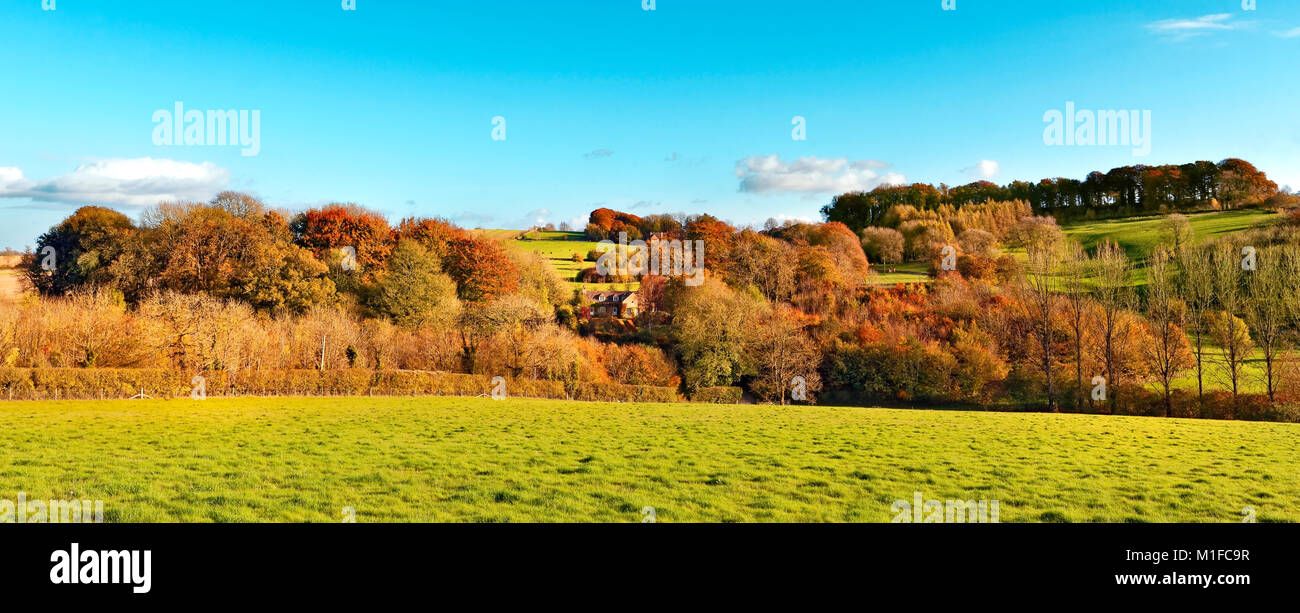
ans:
(478, 460)
(558, 249)
(1139, 235)
(1136, 235)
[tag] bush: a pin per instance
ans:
(977, 266)
(718, 395)
(92, 383)
(86, 383)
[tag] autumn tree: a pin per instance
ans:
(413, 290)
(513, 317)
(206, 248)
(763, 262)
(537, 278)
(435, 234)
(481, 268)
(784, 351)
(883, 245)
(717, 237)
(606, 224)
(78, 251)
(329, 229)
(712, 330)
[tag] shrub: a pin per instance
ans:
(92, 383)
(718, 395)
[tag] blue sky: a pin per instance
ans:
(684, 108)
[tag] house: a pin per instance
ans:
(623, 305)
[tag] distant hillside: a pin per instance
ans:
(1137, 235)
(558, 248)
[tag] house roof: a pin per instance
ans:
(614, 297)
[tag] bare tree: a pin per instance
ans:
(1169, 354)
(1113, 293)
(1229, 330)
(783, 351)
(1267, 311)
(1074, 279)
(1197, 289)
(1176, 231)
(1043, 245)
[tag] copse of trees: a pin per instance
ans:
(1123, 191)
(232, 247)
(236, 287)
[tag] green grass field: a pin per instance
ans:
(1139, 235)
(907, 272)
(558, 248)
(461, 459)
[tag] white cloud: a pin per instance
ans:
(1292, 33)
(535, 217)
(1181, 29)
(984, 169)
(599, 153)
(770, 174)
(132, 182)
